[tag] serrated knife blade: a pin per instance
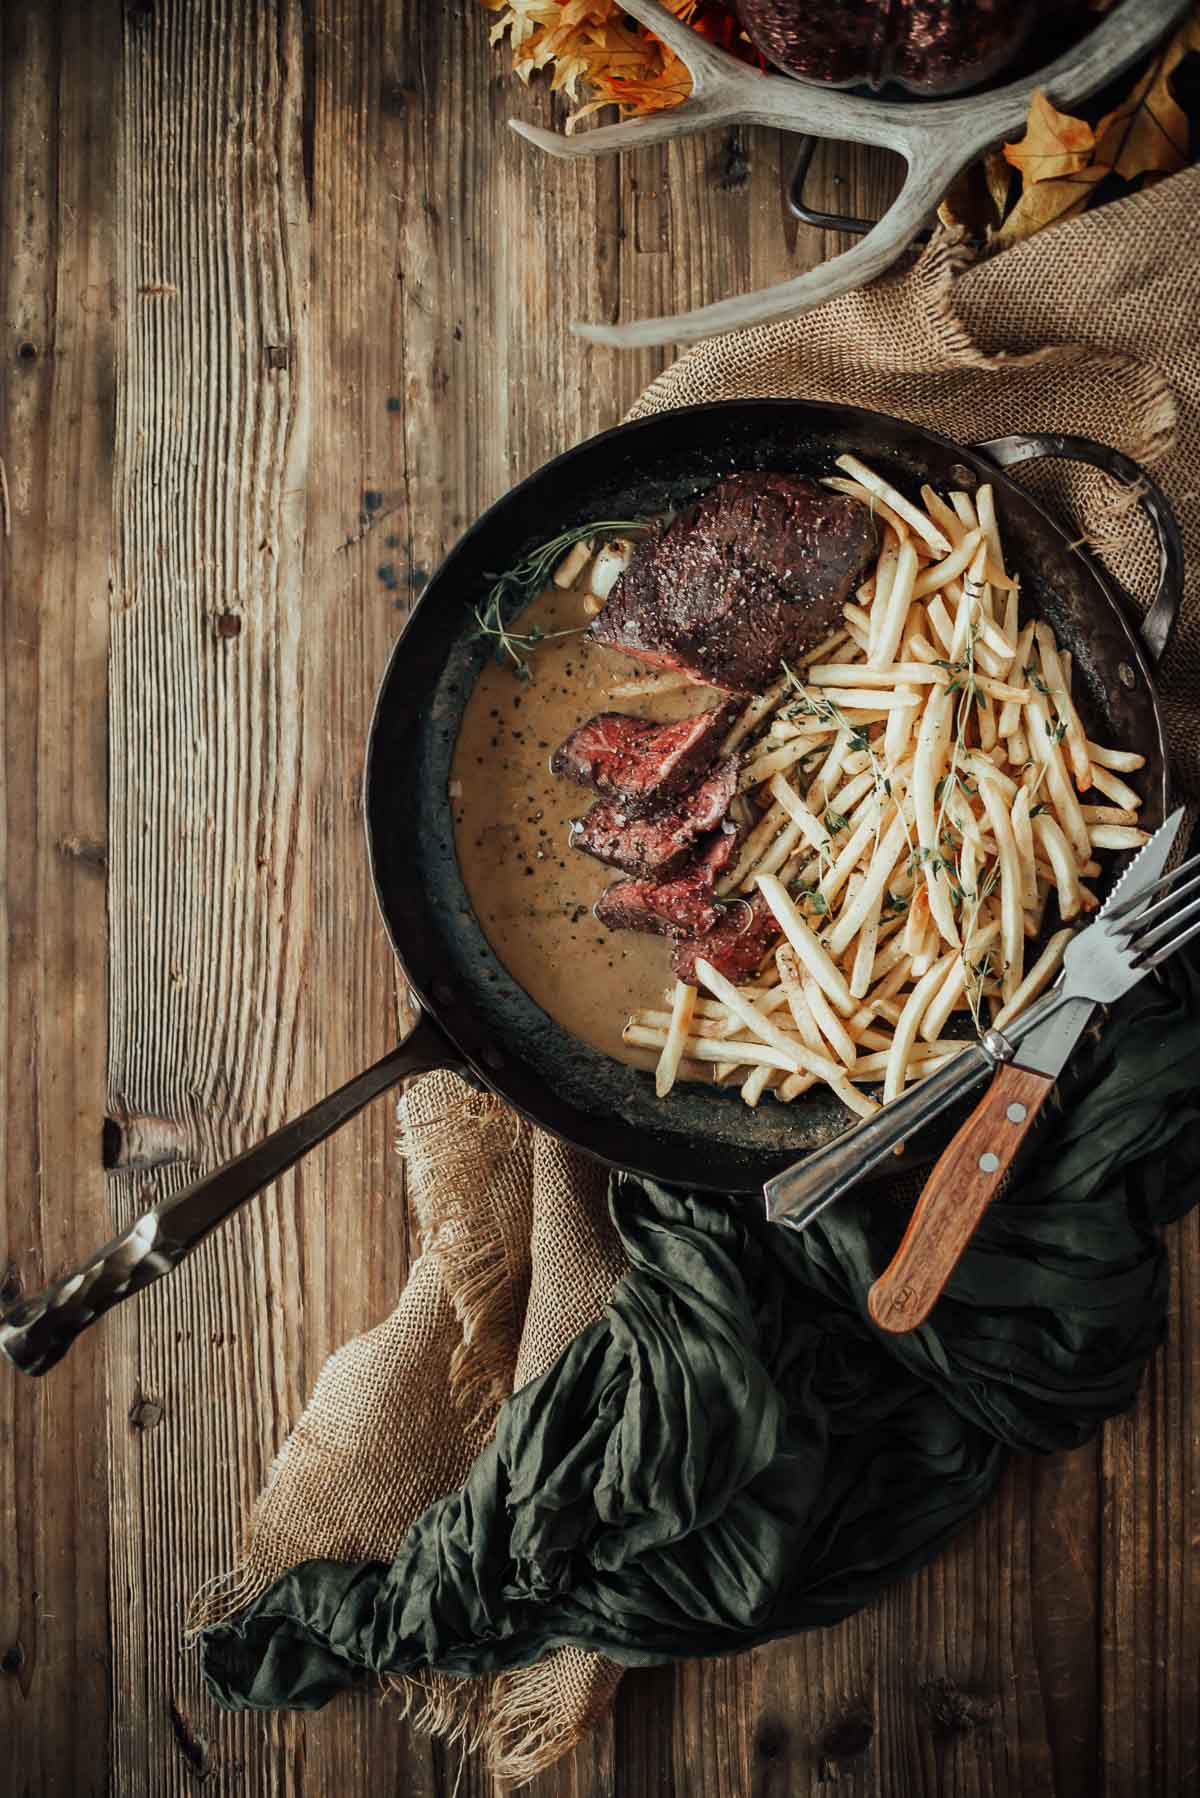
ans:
(1097, 967)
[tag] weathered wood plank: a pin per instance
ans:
(57, 306)
(340, 292)
(245, 650)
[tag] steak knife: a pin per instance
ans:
(1025, 1060)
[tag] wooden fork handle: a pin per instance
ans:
(956, 1195)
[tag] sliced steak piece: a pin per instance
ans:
(657, 845)
(680, 907)
(746, 578)
(639, 764)
(736, 944)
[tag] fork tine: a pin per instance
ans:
(1165, 938)
(1138, 899)
(1160, 955)
(1165, 907)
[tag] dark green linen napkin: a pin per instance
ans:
(734, 1452)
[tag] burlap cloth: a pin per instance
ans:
(1091, 327)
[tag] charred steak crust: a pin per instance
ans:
(751, 574)
(684, 906)
(735, 945)
(659, 844)
(638, 764)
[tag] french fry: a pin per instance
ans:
(910, 1022)
(964, 507)
(1124, 761)
(913, 517)
(1049, 833)
(883, 677)
(863, 965)
(816, 958)
(1106, 782)
(933, 579)
(848, 858)
(889, 849)
(682, 1007)
(758, 709)
(776, 760)
(880, 507)
(763, 1028)
(811, 828)
(776, 855)
(702, 1048)
(829, 1024)
(1056, 679)
(951, 991)
(1116, 836)
(1108, 814)
(829, 646)
(1010, 716)
(1037, 980)
(1044, 744)
(932, 742)
(791, 978)
(1012, 909)
(885, 576)
(753, 849)
(941, 624)
(893, 611)
(1022, 828)
(756, 1083)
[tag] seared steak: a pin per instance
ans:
(660, 843)
(679, 907)
(751, 574)
(638, 764)
(735, 945)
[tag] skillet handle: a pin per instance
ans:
(1159, 622)
(36, 1332)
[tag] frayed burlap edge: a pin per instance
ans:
(484, 1265)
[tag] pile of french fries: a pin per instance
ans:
(912, 794)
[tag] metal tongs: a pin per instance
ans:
(1148, 916)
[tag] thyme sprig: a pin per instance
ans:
(512, 591)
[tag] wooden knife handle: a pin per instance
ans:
(956, 1195)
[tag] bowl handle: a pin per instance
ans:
(36, 1332)
(1156, 627)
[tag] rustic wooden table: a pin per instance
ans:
(284, 305)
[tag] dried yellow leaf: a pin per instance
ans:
(1048, 202)
(1148, 132)
(1054, 143)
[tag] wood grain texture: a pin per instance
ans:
(961, 1185)
(299, 307)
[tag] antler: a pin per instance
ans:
(936, 139)
(721, 90)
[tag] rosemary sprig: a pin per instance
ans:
(511, 591)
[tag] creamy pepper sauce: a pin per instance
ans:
(533, 894)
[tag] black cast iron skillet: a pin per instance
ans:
(473, 1017)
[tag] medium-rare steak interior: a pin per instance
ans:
(638, 764)
(682, 907)
(658, 844)
(752, 573)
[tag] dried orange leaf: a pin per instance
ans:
(1054, 143)
(1148, 132)
(1047, 202)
